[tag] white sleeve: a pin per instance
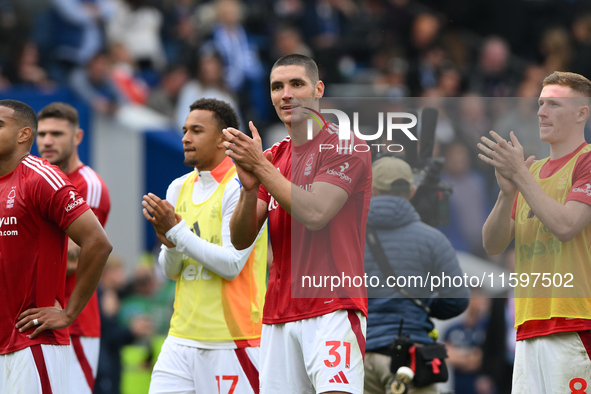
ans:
(223, 260)
(170, 259)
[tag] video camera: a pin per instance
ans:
(432, 197)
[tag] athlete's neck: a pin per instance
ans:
(212, 165)
(9, 164)
(558, 150)
(299, 132)
(70, 165)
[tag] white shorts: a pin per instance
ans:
(189, 370)
(38, 369)
(315, 355)
(557, 363)
(84, 356)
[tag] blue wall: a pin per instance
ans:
(164, 163)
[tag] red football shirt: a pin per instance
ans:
(337, 249)
(37, 203)
(95, 192)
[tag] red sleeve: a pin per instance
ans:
(59, 201)
(102, 211)
(581, 182)
(264, 194)
(343, 170)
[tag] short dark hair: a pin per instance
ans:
(60, 110)
(576, 82)
(222, 111)
(23, 114)
(295, 59)
(399, 188)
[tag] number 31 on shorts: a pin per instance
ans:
(333, 352)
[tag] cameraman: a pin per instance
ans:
(412, 248)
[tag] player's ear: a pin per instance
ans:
(78, 135)
(221, 139)
(319, 89)
(25, 134)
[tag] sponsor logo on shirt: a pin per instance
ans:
(586, 189)
(11, 197)
(341, 174)
(72, 195)
(8, 220)
(73, 205)
(273, 204)
(192, 272)
(308, 168)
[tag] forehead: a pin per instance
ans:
(287, 73)
(6, 114)
(558, 91)
(54, 124)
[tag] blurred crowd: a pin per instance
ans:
(165, 54)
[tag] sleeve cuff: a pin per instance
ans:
(172, 234)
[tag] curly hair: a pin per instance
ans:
(223, 112)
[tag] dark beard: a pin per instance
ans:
(190, 163)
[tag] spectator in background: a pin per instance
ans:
(424, 70)
(164, 99)
(136, 24)
(581, 31)
(468, 204)
(392, 80)
(208, 82)
(425, 53)
(115, 335)
(324, 24)
(496, 74)
(473, 120)
(4, 82)
(243, 71)
(557, 50)
(94, 85)
(72, 34)
(286, 40)
(146, 297)
(125, 76)
(24, 68)
(464, 341)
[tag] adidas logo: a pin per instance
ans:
(339, 378)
